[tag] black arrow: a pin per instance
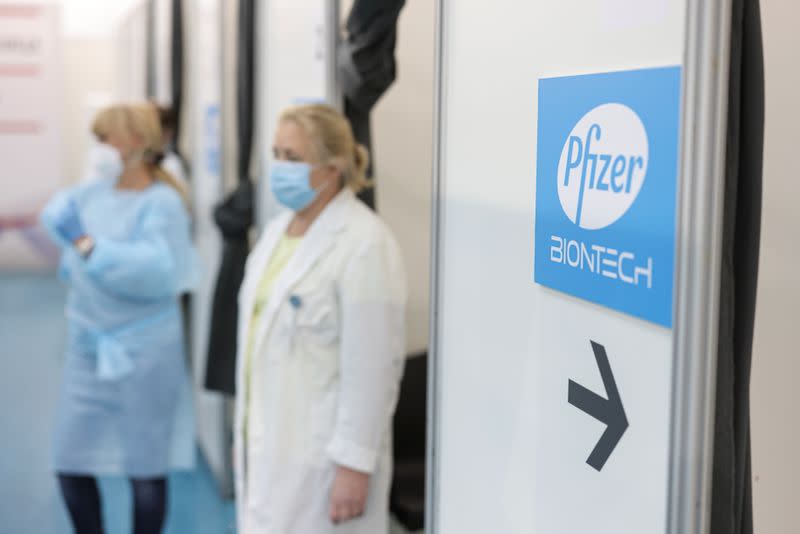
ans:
(609, 411)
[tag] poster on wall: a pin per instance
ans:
(30, 129)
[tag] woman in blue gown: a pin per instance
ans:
(127, 256)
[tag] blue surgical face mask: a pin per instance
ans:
(105, 161)
(290, 182)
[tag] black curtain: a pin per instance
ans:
(245, 82)
(176, 66)
(367, 67)
(731, 506)
(234, 217)
(176, 88)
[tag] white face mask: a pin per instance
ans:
(105, 161)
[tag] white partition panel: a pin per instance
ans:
(295, 63)
(205, 83)
(131, 48)
(563, 293)
(162, 35)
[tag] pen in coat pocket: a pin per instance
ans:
(296, 302)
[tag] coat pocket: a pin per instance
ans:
(314, 318)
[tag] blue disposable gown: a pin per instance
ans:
(125, 405)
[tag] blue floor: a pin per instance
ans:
(32, 331)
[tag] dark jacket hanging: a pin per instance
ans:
(366, 65)
(234, 217)
(731, 506)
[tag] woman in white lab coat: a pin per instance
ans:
(321, 343)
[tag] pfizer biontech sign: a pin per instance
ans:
(606, 178)
(603, 165)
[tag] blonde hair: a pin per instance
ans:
(332, 139)
(141, 121)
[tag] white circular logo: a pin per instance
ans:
(602, 166)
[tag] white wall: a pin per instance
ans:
(88, 68)
(93, 18)
(776, 359)
(88, 75)
(91, 70)
(402, 138)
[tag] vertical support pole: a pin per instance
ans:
(333, 92)
(700, 200)
(434, 364)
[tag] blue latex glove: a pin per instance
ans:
(68, 222)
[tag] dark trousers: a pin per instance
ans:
(82, 497)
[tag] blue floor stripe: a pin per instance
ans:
(32, 333)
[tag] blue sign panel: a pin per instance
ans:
(606, 178)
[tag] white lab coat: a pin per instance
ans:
(327, 361)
